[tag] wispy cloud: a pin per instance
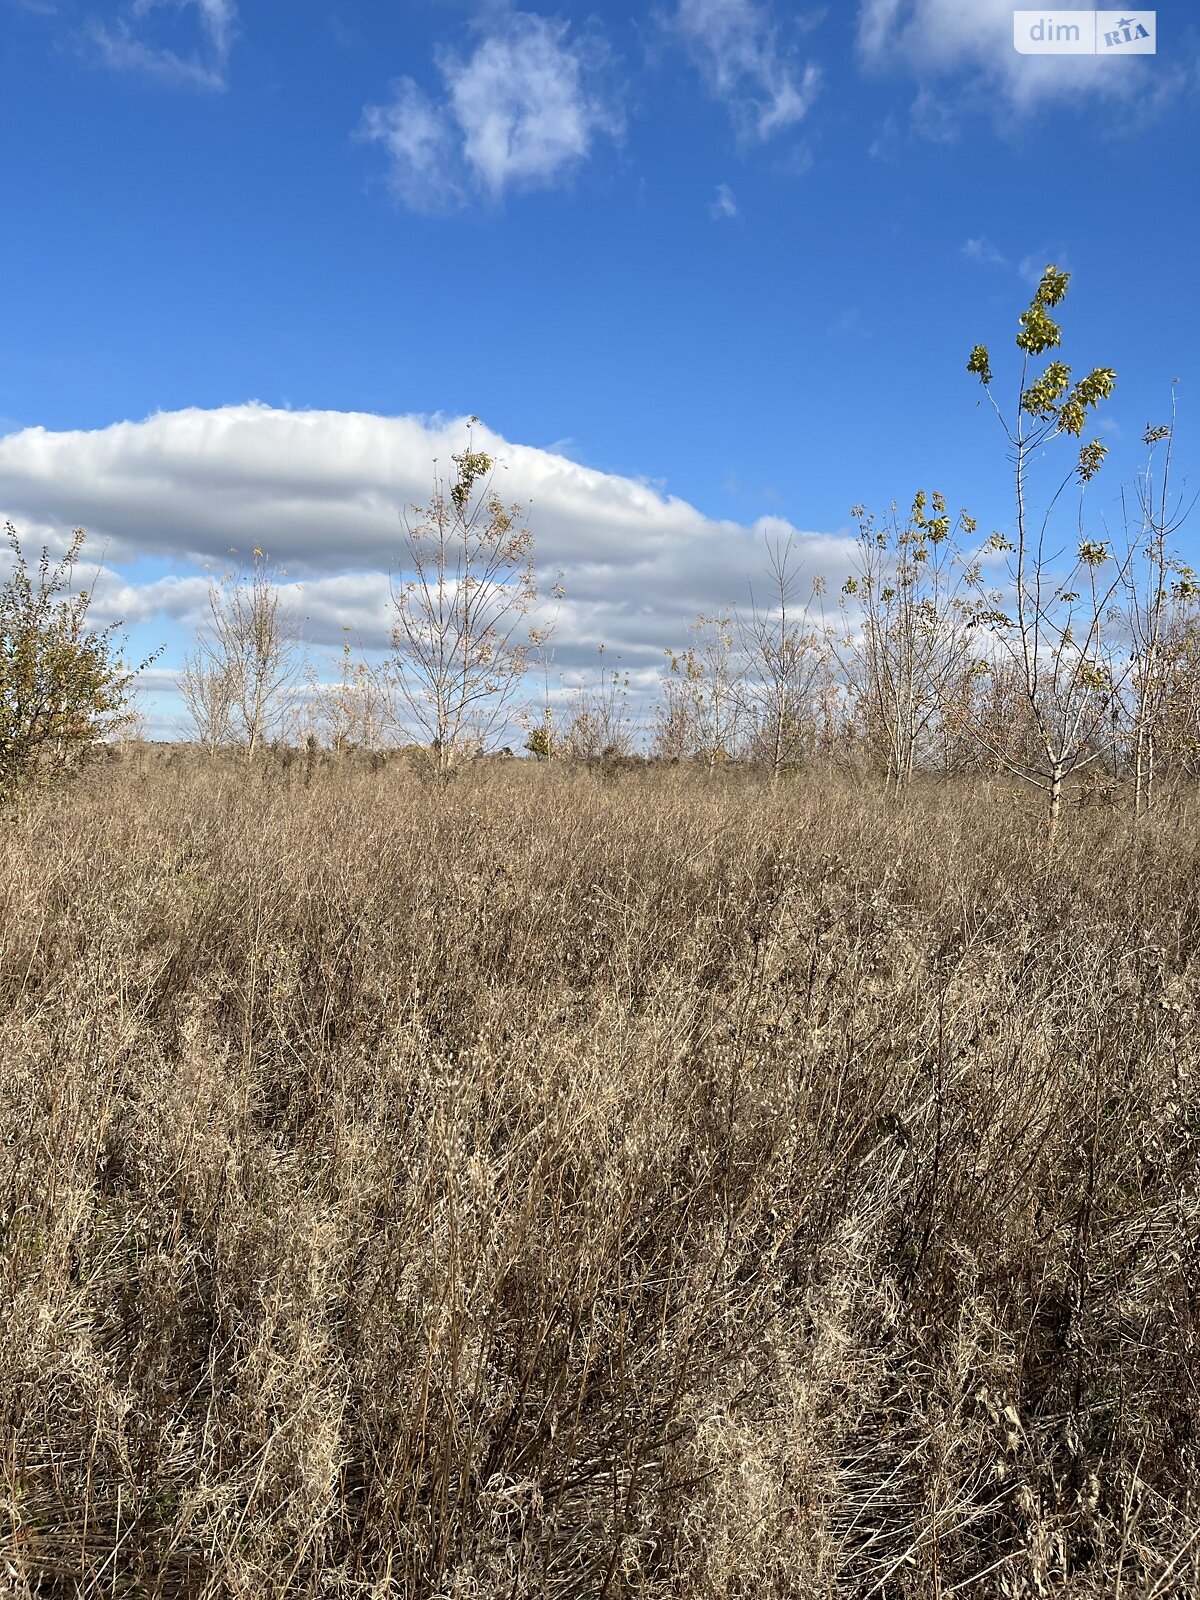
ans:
(983, 252)
(885, 146)
(724, 205)
(738, 49)
(932, 117)
(424, 157)
(523, 110)
(940, 40)
(134, 42)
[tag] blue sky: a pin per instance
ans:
(732, 251)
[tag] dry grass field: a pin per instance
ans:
(569, 1184)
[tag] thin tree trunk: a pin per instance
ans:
(1055, 813)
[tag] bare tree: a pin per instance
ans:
(237, 681)
(601, 721)
(704, 711)
(782, 658)
(1050, 613)
(206, 685)
(355, 712)
(466, 587)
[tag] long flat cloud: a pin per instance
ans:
(323, 491)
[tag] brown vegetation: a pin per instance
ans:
(561, 1184)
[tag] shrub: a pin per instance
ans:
(63, 685)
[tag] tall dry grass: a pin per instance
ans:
(570, 1186)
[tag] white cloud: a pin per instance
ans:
(423, 158)
(936, 39)
(116, 599)
(724, 204)
(522, 111)
(126, 45)
(736, 46)
(983, 252)
(321, 492)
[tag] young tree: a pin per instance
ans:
(467, 586)
(542, 740)
(783, 658)
(601, 722)
(704, 712)
(1176, 727)
(984, 720)
(1049, 615)
(356, 712)
(905, 648)
(237, 682)
(207, 689)
(1162, 592)
(63, 685)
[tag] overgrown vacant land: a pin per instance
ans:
(560, 1185)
